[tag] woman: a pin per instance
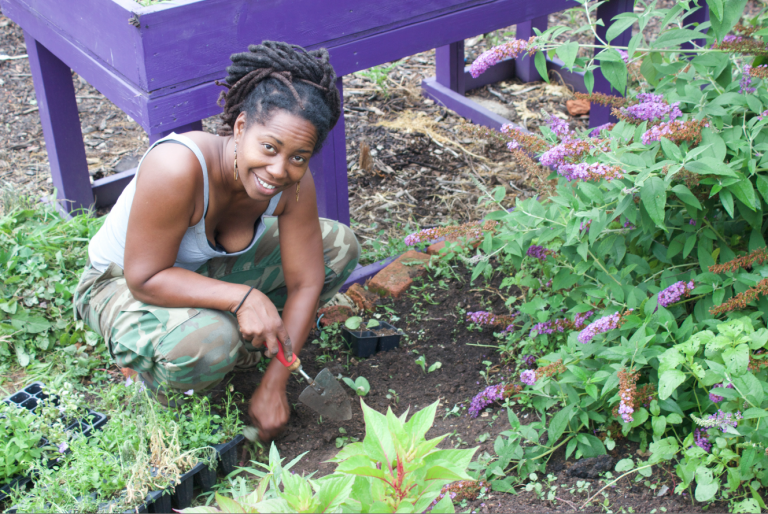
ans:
(188, 275)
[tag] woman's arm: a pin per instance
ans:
(301, 250)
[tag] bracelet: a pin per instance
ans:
(242, 301)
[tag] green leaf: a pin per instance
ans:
(568, 52)
(559, 423)
(705, 492)
(754, 412)
(589, 80)
(31, 324)
(684, 194)
(716, 9)
(762, 186)
(540, 61)
(736, 359)
(433, 367)
(659, 424)
(744, 191)
(710, 166)
(654, 197)
(675, 37)
(333, 492)
(619, 26)
(616, 74)
(670, 149)
(732, 11)
(668, 382)
(353, 323)
(624, 465)
(228, 504)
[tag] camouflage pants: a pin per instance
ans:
(188, 348)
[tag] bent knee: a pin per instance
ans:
(341, 249)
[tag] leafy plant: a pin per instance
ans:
(379, 75)
(360, 385)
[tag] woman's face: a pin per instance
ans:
(273, 156)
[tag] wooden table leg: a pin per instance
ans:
(601, 114)
(524, 67)
(329, 169)
(61, 126)
(449, 66)
(189, 127)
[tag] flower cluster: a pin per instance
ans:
(627, 391)
(596, 131)
(624, 55)
(539, 252)
(491, 319)
(513, 49)
(550, 370)
(486, 397)
(763, 115)
(529, 360)
(676, 131)
(459, 491)
(628, 225)
(741, 45)
(525, 140)
(594, 171)
(603, 99)
(741, 300)
(759, 72)
(675, 292)
(758, 255)
(568, 151)
(745, 84)
(601, 325)
(472, 231)
(701, 440)
(720, 419)
(559, 126)
(546, 187)
(528, 377)
(584, 225)
(716, 398)
(562, 324)
(651, 108)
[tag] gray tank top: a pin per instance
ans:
(108, 245)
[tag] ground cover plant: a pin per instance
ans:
(642, 313)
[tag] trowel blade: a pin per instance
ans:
(332, 403)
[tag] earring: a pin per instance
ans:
(236, 174)
(298, 185)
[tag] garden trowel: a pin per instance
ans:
(324, 394)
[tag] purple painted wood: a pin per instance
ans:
(61, 125)
(329, 169)
(525, 69)
(697, 18)
(363, 273)
(107, 190)
(462, 105)
(449, 66)
(189, 127)
(503, 70)
(601, 114)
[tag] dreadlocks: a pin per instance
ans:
(275, 75)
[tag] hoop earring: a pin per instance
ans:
(236, 173)
(298, 185)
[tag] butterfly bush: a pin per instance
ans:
(716, 398)
(562, 324)
(528, 377)
(675, 293)
(701, 440)
(483, 399)
(602, 325)
(496, 54)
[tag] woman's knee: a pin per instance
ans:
(200, 351)
(341, 249)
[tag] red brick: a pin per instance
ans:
(577, 107)
(335, 314)
(364, 299)
(128, 372)
(396, 278)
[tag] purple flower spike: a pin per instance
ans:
(486, 397)
(63, 447)
(490, 57)
(675, 293)
(128, 382)
(716, 398)
(190, 392)
(599, 326)
(701, 440)
(528, 377)
(559, 126)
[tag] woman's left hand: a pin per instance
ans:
(269, 409)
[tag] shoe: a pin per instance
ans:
(247, 359)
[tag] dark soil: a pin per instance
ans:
(433, 316)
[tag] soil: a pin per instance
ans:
(432, 318)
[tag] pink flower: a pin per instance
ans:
(528, 377)
(496, 54)
(190, 392)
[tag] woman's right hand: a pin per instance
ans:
(260, 322)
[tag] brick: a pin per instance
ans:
(577, 107)
(128, 372)
(335, 314)
(396, 278)
(364, 299)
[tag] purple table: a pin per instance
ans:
(158, 63)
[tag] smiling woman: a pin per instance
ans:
(202, 252)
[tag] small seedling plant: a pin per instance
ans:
(356, 322)
(360, 385)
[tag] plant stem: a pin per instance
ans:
(586, 502)
(603, 267)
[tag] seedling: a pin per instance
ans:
(437, 365)
(355, 322)
(422, 363)
(392, 394)
(360, 385)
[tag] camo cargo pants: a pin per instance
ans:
(188, 348)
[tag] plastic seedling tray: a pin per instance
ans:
(363, 343)
(228, 454)
(390, 341)
(29, 398)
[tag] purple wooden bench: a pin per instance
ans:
(158, 64)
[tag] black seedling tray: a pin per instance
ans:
(389, 342)
(363, 343)
(368, 342)
(29, 398)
